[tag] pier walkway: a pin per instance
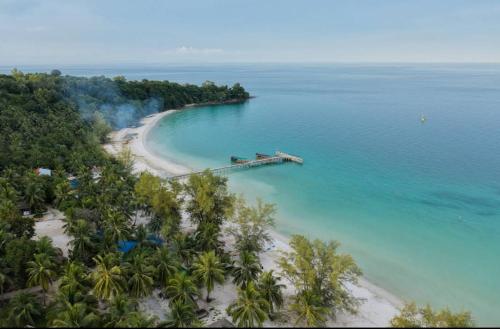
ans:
(279, 157)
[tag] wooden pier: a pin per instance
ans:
(279, 157)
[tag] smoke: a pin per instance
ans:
(102, 95)
(128, 114)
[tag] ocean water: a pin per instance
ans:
(416, 204)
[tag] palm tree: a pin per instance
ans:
(141, 276)
(181, 316)
(62, 194)
(166, 265)
(141, 237)
(247, 269)
(74, 279)
(44, 246)
(107, 277)
(209, 270)
(207, 236)
(34, 193)
(4, 281)
(82, 244)
(270, 290)
(309, 310)
(119, 309)
(182, 288)
(23, 310)
(5, 237)
(116, 227)
(250, 309)
(183, 246)
(155, 224)
(66, 297)
(40, 272)
(75, 316)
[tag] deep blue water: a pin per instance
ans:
(417, 204)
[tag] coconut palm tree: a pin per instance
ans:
(166, 265)
(182, 288)
(65, 297)
(250, 309)
(181, 316)
(7, 192)
(183, 246)
(44, 246)
(310, 313)
(75, 316)
(62, 193)
(116, 227)
(120, 308)
(207, 237)
(4, 281)
(141, 237)
(5, 237)
(41, 273)
(23, 310)
(34, 193)
(82, 245)
(74, 279)
(208, 270)
(271, 290)
(141, 275)
(108, 277)
(247, 269)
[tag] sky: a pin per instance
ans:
(206, 31)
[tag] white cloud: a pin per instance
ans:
(185, 50)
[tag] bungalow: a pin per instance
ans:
(43, 172)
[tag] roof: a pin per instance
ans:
(43, 172)
(222, 323)
(126, 246)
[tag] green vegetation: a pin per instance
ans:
(412, 316)
(208, 270)
(128, 239)
(250, 309)
(319, 274)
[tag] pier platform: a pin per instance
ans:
(278, 157)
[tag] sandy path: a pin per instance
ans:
(51, 225)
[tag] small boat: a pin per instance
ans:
(423, 119)
(235, 159)
(260, 156)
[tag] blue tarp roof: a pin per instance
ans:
(126, 246)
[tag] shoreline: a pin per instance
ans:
(378, 306)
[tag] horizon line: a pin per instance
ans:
(116, 64)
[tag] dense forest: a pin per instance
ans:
(54, 121)
(127, 236)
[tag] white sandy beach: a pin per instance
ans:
(378, 306)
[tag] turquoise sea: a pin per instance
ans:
(417, 204)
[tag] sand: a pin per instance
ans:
(144, 160)
(377, 307)
(51, 225)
